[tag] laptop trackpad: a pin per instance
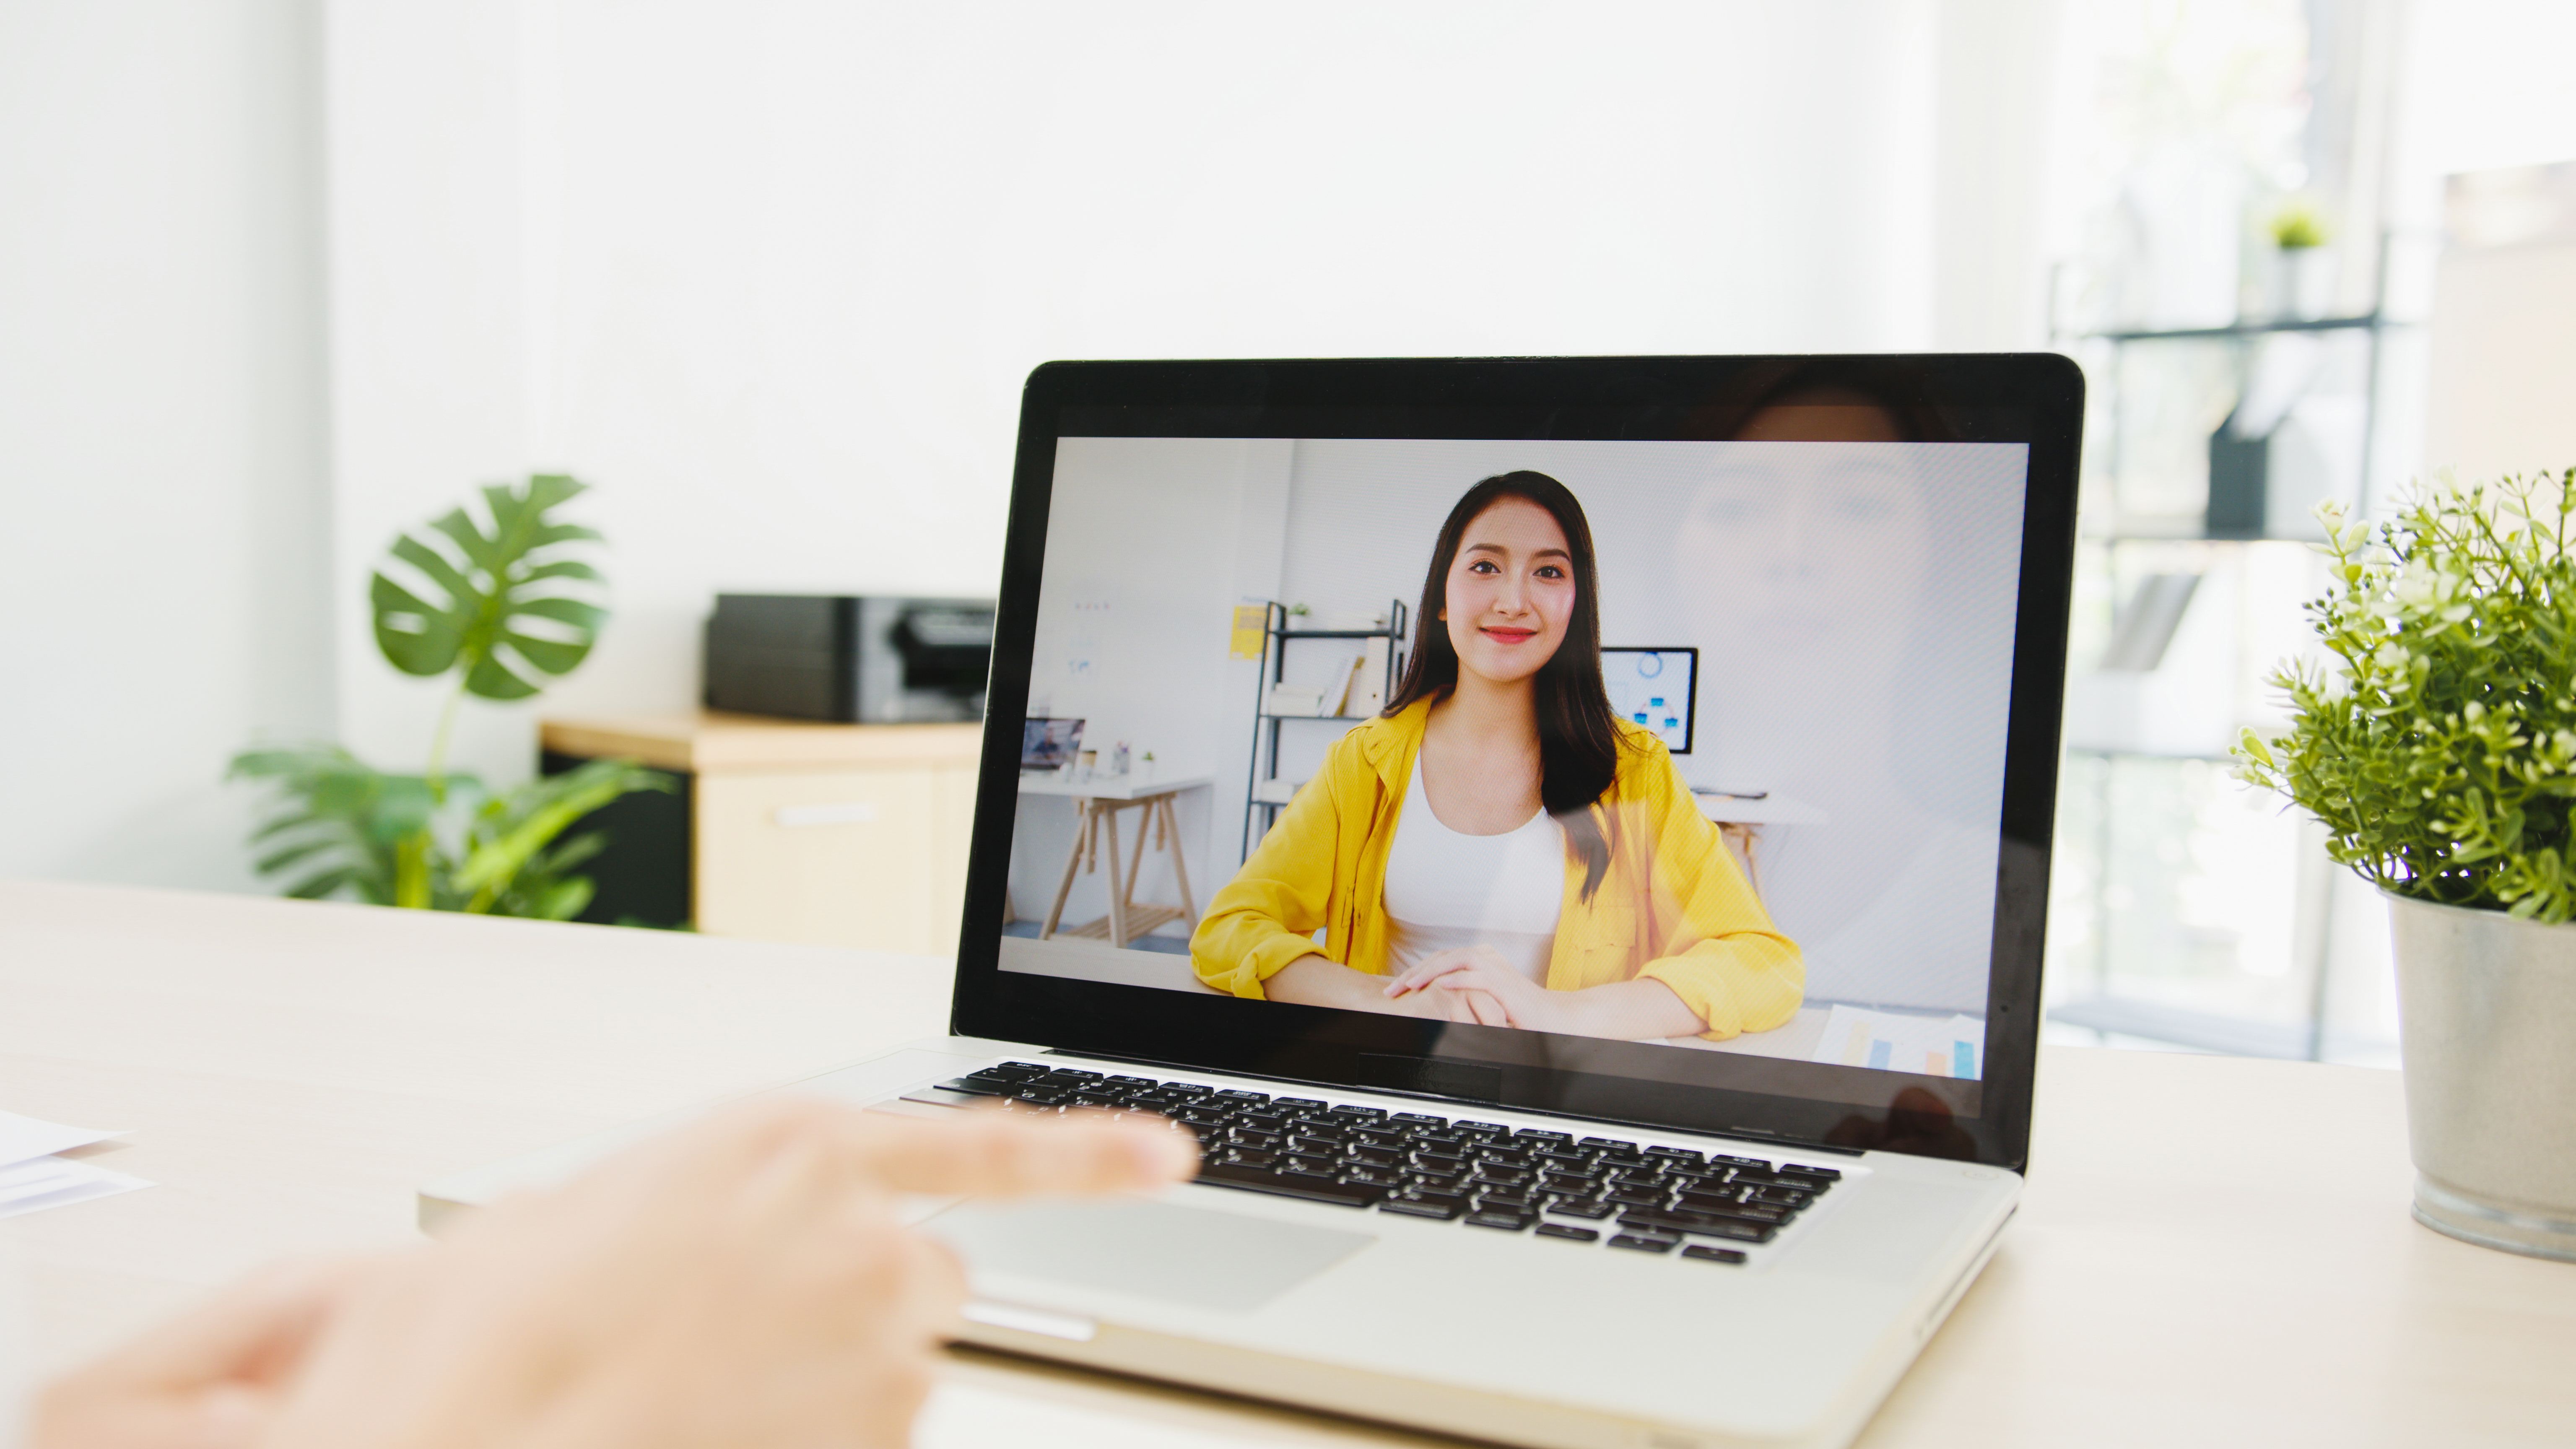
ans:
(1151, 1249)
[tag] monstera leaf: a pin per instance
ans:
(504, 619)
(339, 825)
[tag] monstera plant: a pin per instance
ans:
(499, 606)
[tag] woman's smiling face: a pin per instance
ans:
(1510, 591)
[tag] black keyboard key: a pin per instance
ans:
(1242, 1097)
(1822, 1174)
(1480, 1129)
(1585, 1208)
(1309, 1162)
(1449, 1142)
(1310, 1189)
(1504, 1156)
(1252, 1157)
(1041, 1097)
(1607, 1144)
(1393, 1141)
(1755, 1163)
(1320, 1146)
(1780, 1197)
(1626, 1162)
(973, 1087)
(1633, 1174)
(1707, 1254)
(1162, 1102)
(1287, 1104)
(1507, 1202)
(1021, 1070)
(1447, 1207)
(1136, 1081)
(1417, 1119)
(1072, 1074)
(1504, 1176)
(1635, 1243)
(1379, 1176)
(1533, 1135)
(1376, 1156)
(1701, 1225)
(1261, 1121)
(1098, 1099)
(1569, 1232)
(1202, 1116)
(1570, 1186)
(1267, 1141)
(1439, 1162)
(1510, 1222)
(1564, 1156)
(1638, 1195)
(1674, 1154)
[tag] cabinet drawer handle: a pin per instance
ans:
(855, 812)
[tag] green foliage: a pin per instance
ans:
(506, 620)
(436, 841)
(2298, 226)
(343, 827)
(2437, 740)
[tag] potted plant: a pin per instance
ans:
(509, 614)
(2436, 738)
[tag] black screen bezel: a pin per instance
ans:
(2031, 398)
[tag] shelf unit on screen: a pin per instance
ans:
(1264, 792)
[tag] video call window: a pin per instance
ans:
(1769, 683)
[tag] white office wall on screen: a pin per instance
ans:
(164, 566)
(1853, 605)
(1150, 545)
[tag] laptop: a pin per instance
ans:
(1640, 1152)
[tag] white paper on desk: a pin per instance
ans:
(25, 1137)
(51, 1182)
(1926, 1045)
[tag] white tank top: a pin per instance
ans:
(1446, 890)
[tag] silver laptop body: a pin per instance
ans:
(1520, 1236)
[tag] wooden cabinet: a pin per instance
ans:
(834, 835)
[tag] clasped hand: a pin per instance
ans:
(1475, 984)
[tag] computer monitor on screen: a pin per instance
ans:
(1655, 688)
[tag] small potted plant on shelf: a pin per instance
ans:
(2436, 739)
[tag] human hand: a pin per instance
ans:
(744, 1283)
(1443, 1002)
(211, 1379)
(1481, 971)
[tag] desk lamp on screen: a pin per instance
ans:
(1657, 688)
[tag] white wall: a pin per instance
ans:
(1853, 608)
(162, 570)
(1150, 544)
(771, 274)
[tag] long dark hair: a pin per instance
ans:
(1578, 736)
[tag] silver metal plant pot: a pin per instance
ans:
(2488, 1015)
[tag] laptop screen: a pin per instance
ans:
(1556, 750)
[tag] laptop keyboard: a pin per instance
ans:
(1483, 1174)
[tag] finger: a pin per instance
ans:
(1435, 969)
(1489, 1011)
(255, 1330)
(998, 1153)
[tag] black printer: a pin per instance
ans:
(848, 659)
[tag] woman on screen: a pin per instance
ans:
(1498, 847)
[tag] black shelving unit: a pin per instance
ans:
(1266, 727)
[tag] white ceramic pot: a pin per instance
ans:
(2487, 1008)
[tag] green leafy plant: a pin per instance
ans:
(2436, 738)
(503, 621)
(2298, 225)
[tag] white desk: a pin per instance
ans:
(2212, 1252)
(1096, 803)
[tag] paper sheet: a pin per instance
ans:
(50, 1182)
(31, 1179)
(25, 1137)
(1926, 1045)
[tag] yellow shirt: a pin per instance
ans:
(1672, 905)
